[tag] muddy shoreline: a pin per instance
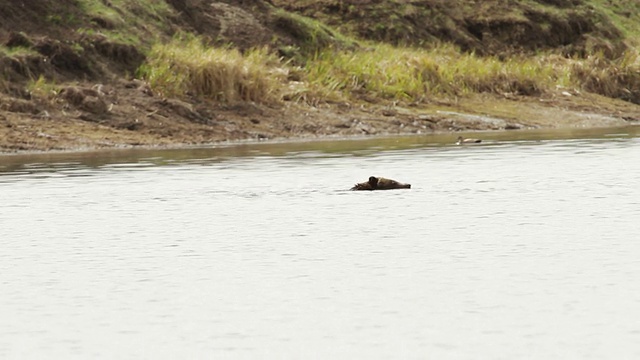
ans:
(131, 117)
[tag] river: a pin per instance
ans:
(526, 246)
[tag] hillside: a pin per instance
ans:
(80, 74)
(486, 27)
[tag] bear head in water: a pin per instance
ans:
(380, 183)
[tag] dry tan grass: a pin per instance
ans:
(618, 78)
(186, 66)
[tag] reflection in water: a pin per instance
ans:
(513, 249)
(340, 147)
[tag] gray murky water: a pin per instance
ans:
(524, 247)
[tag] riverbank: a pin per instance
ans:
(133, 117)
(94, 74)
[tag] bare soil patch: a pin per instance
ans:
(127, 114)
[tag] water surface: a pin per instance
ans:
(523, 247)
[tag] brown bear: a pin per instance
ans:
(380, 183)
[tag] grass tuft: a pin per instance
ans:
(127, 21)
(618, 78)
(43, 89)
(186, 66)
(312, 36)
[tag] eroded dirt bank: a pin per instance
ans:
(129, 115)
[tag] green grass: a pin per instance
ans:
(128, 21)
(186, 66)
(311, 35)
(16, 51)
(624, 14)
(98, 9)
(43, 88)
(402, 73)
(396, 73)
